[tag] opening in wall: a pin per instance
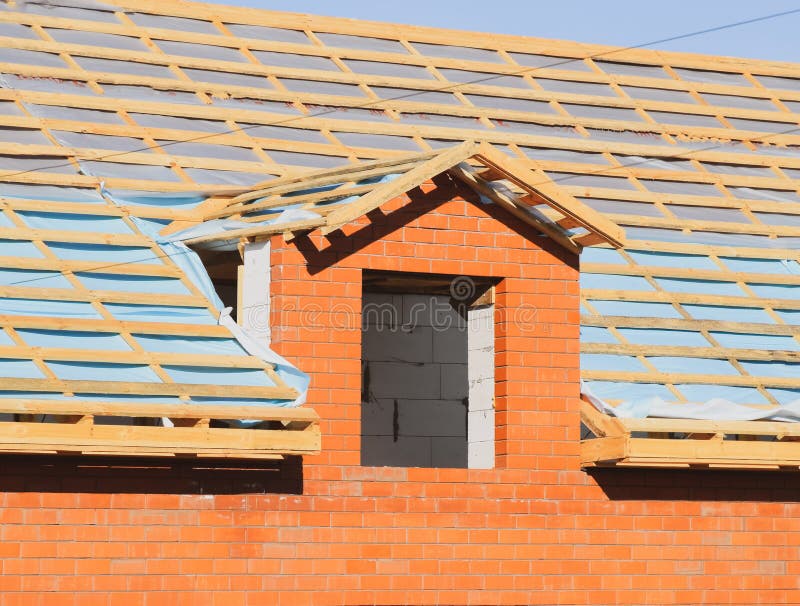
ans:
(427, 371)
(223, 269)
(241, 278)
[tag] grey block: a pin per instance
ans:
(449, 452)
(481, 426)
(392, 380)
(481, 394)
(406, 452)
(450, 346)
(481, 455)
(432, 418)
(455, 385)
(377, 418)
(398, 345)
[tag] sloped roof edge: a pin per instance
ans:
(305, 201)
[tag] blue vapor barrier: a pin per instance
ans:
(93, 279)
(688, 398)
(192, 267)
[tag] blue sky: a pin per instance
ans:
(615, 22)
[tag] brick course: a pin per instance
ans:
(535, 530)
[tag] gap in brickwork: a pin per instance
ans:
(427, 371)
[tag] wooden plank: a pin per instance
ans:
(136, 388)
(153, 268)
(67, 294)
(359, 126)
(728, 227)
(510, 204)
(540, 186)
(115, 326)
(133, 357)
(313, 178)
(688, 298)
(411, 59)
(132, 439)
(718, 353)
(445, 36)
(147, 409)
(602, 425)
(256, 231)
(690, 325)
(82, 237)
(299, 200)
(688, 426)
(674, 378)
(604, 449)
(408, 180)
(774, 454)
(689, 273)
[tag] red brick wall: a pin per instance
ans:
(535, 530)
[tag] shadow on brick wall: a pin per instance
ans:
(698, 485)
(123, 475)
(382, 223)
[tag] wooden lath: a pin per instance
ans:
(490, 166)
(688, 443)
(142, 429)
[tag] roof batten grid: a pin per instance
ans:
(653, 185)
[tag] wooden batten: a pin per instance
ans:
(688, 443)
(130, 429)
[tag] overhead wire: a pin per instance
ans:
(449, 87)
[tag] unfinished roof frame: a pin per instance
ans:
(492, 167)
(690, 146)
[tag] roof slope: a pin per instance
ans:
(331, 198)
(696, 157)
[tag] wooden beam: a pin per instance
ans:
(157, 389)
(602, 425)
(538, 184)
(400, 185)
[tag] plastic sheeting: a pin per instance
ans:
(323, 88)
(715, 408)
(394, 70)
(260, 32)
(361, 43)
(295, 61)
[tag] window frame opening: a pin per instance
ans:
(428, 371)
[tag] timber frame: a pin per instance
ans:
(688, 443)
(679, 172)
(140, 429)
(354, 191)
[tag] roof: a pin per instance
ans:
(331, 198)
(694, 157)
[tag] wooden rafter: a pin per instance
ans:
(688, 443)
(158, 430)
(302, 192)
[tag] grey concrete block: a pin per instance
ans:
(385, 452)
(455, 384)
(449, 452)
(450, 346)
(481, 394)
(480, 328)
(480, 426)
(377, 418)
(432, 418)
(481, 364)
(397, 380)
(398, 345)
(381, 310)
(480, 455)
